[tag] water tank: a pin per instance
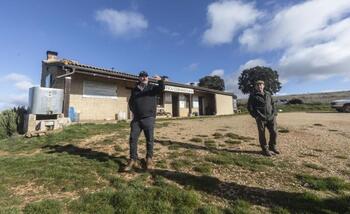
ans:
(45, 101)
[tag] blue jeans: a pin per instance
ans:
(147, 126)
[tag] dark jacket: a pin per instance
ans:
(144, 103)
(262, 106)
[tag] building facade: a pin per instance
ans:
(102, 94)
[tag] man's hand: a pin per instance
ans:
(156, 77)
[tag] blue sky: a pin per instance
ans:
(183, 39)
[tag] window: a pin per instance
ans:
(48, 81)
(99, 90)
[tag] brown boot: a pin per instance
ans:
(149, 163)
(131, 164)
(273, 149)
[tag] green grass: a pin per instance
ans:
(204, 168)
(196, 140)
(238, 137)
(218, 135)
(69, 134)
(174, 147)
(341, 157)
(242, 160)
(161, 164)
(314, 166)
(230, 141)
(333, 184)
(45, 206)
(210, 143)
(134, 197)
(180, 164)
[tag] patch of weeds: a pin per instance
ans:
(240, 206)
(210, 143)
(341, 157)
(204, 168)
(57, 172)
(196, 140)
(68, 134)
(118, 148)
(279, 210)
(308, 155)
(161, 198)
(179, 164)
(318, 150)
(202, 135)
(332, 130)
(230, 141)
(283, 131)
(162, 164)
(174, 155)
(174, 147)
(9, 210)
(333, 184)
(209, 209)
(314, 166)
(45, 206)
(238, 137)
(318, 124)
(243, 160)
(107, 141)
(218, 135)
(190, 153)
(163, 124)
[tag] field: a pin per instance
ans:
(203, 165)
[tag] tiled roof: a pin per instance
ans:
(130, 76)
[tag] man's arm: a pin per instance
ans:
(131, 102)
(250, 107)
(157, 89)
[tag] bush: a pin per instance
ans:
(12, 121)
(295, 101)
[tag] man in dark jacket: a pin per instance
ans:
(262, 107)
(143, 104)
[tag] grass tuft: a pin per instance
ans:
(333, 184)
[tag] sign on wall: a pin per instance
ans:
(99, 90)
(178, 89)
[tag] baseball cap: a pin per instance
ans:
(143, 74)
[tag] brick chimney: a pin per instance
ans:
(51, 56)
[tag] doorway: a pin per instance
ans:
(175, 104)
(200, 103)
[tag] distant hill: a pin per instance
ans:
(325, 97)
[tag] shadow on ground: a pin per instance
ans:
(204, 148)
(294, 202)
(86, 153)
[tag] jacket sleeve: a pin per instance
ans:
(274, 106)
(131, 101)
(250, 107)
(157, 89)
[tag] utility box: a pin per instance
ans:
(45, 101)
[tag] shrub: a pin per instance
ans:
(12, 122)
(295, 101)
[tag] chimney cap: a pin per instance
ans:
(51, 53)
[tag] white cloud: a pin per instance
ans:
(19, 81)
(253, 63)
(192, 67)
(12, 100)
(312, 36)
(217, 72)
(226, 18)
(122, 23)
(295, 25)
(168, 32)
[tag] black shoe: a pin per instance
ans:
(274, 150)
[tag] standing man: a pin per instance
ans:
(262, 107)
(143, 104)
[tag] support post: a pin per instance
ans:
(67, 87)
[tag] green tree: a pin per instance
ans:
(249, 76)
(212, 82)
